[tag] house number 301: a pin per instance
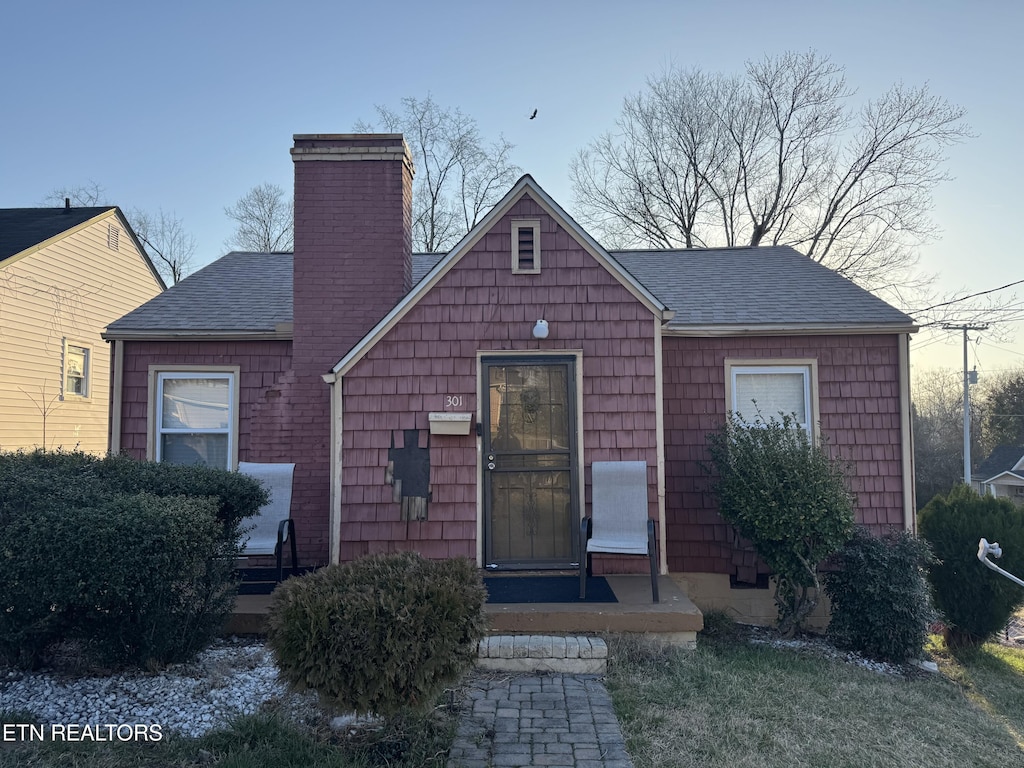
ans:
(454, 401)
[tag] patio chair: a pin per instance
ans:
(619, 522)
(274, 525)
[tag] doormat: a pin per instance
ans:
(546, 589)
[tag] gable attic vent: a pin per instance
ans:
(526, 247)
(113, 236)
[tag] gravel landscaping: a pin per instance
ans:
(236, 676)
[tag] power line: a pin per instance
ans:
(969, 296)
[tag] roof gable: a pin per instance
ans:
(1004, 458)
(24, 231)
(28, 229)
(525, 187)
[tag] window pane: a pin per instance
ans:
(774, 393)
(208, 449)
(76, 366)
(196, 403)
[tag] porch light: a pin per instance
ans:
(540, 330)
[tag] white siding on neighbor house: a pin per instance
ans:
(71, 289)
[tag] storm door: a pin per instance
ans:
(531, 509)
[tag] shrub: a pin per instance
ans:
(237, 496)
(137, 579)
(974, 601)
(382, 634)
(38, 478)
(880, 601)
(87, 553)
(788, 496)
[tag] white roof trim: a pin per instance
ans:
(1005, 474)
(790, 329)
(525, 185)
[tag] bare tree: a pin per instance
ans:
(85, 195)
(265, 220)
(777, 156)
(458, 175)
(938, 422)
(999, 407)
(171, 248)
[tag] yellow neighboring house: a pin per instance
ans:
(65, 274)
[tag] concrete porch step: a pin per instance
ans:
(572, 654)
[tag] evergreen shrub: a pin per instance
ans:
(87, 554)
(880, 601)
(975, 602)
(788, 496)
(379, 635)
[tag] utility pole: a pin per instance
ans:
(967, 396)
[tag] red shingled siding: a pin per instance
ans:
(859, 402)
(273, 427)
(481, 305)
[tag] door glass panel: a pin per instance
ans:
(528, 408)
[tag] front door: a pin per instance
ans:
(531, 505)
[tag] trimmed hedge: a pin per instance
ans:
(40, 478)
(880, 601)
(382, 634)
(974, 601)
(133, 560)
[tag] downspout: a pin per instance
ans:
(659, 421)
(907, 437)
(116, 395)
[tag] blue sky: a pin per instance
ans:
(185, 106)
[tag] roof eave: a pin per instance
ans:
(282, 333)
(787, 329)
(1006, 473)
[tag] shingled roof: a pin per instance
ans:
(1002, 459)
(24, 228)
(755, 287)
(240, 294)
(720, 288)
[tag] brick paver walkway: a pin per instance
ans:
(538, 719)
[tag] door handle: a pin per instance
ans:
(490, 465)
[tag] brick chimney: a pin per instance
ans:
(353, 240)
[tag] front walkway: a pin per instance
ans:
(538, 719)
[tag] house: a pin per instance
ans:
(65, 274)
(1002, 473)
(453, 403)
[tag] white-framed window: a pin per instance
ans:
(194, 417)
(762, 390)
(74, 370)
(526, 247)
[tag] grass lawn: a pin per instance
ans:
(267, 740)
(731, 703)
